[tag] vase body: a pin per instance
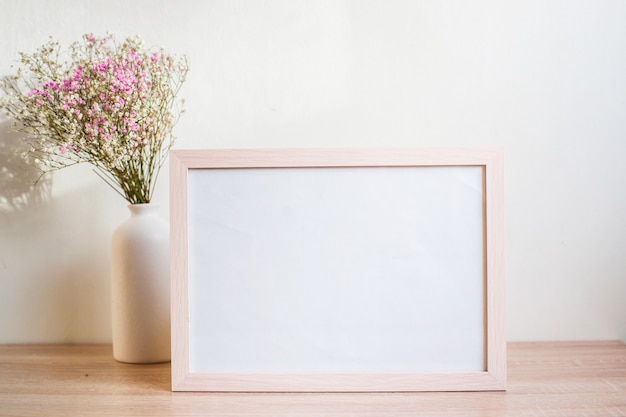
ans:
(140, 287)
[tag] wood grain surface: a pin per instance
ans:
(544, 379)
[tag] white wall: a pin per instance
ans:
(543, 79)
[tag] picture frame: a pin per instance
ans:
(337, 270)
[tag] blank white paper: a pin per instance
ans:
(328, 270)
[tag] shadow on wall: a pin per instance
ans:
(21, 183)
(54, 283)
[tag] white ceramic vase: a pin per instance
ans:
(140, 287)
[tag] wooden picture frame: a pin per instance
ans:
(264, 299)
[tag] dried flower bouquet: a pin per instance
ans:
(111, 105)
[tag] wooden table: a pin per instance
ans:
(545, 379)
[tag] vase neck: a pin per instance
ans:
(148, 208)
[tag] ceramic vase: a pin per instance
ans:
(140, 287)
